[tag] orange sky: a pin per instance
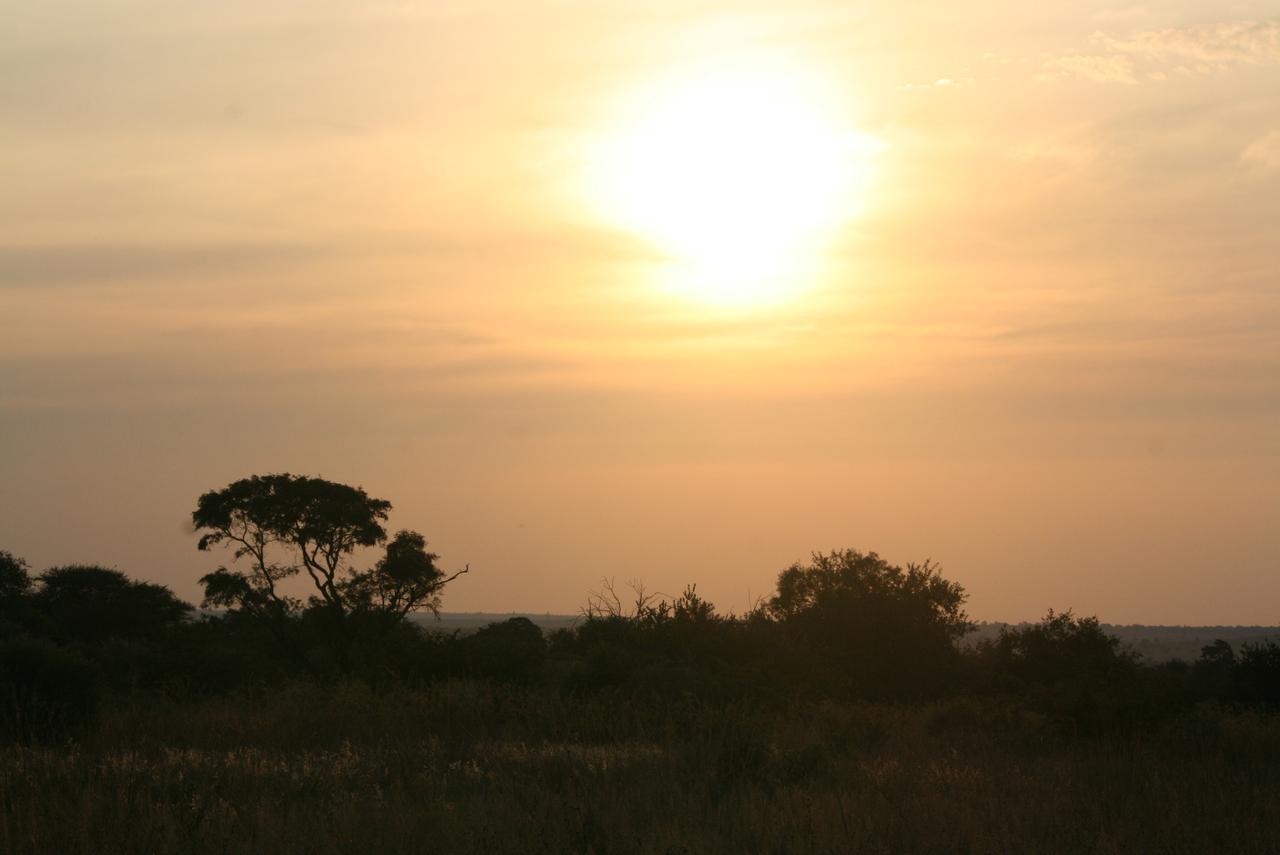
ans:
(1037, 339)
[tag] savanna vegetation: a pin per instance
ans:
(843, 713)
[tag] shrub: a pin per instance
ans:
(15, 582)
(1071, 669)
(46, 691)
(1059, 648)
(882, 630)
(1213, 676)
(90, 604)
(513, 650)
(1258, 674)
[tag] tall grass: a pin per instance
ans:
(470, 767)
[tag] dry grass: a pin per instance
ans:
(465, 767)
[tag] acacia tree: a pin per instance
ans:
(287, 524)
(406, 579)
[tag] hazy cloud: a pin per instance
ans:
(1263, 153)
(1099, 69)
(354, 240)
(1217, 45)
(25, 266)
(1154, 54)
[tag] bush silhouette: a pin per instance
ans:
(15, 586)
(513, 650)
(46, 691)
(1072, 669)
(286, 525)
(91, 604)
(1059, 648)
(844, 624)
(1213, 676)
(882, 630)
(1258, 674)
(15, 578)
(847, 623)
(655, 646)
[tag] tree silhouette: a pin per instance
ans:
(1059, 648)
(89, 603)
(15, 585)
(889, 630)
(287, 524)
(406, 579)
(320, 522)
(852, 581)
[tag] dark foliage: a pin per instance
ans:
(405, 580)
(15, 585)
(15, 578)
(1258, 674)
(512, 651)
(318, 524)
(1059, 649)
(285, 525)
(46, 691)
(89, 604)
(1213, 676)
(472, 766)
(659, 647)
(883, 630)
(844, 626)
(1070, 669)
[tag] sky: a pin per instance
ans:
(677, 292)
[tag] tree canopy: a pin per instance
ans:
(91, 603)
(890, 630)
(861, 586)
(1061, 647)
(288, 524)
(15, 582)
(320, 523)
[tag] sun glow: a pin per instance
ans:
(739, 175)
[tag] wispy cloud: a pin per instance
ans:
(1219, 44)
(941, 83)
(1157, 54)
(1097, 68)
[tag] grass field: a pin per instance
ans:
(469, 767)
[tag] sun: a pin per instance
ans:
(738, 174)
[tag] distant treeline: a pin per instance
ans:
(1153, 643)
(845, 624)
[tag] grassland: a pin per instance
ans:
(465, 766)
